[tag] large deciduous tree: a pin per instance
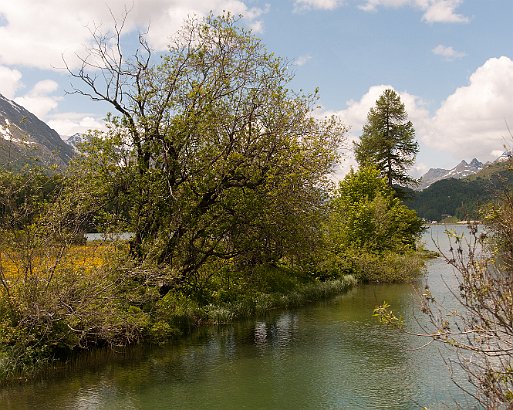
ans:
(212, 155)
(388, 140)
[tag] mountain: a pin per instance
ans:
(464, 197)
(75, 140)
(462, 170)
(26, 140)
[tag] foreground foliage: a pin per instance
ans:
(46, 314)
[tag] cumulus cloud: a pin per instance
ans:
(38, 100)
(443, 11)
(10, 81)
(69, 123)
(447, 52)
(435, 11)
(303, 5)
(38, 34)
(472, 122)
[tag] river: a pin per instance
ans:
(330, 355)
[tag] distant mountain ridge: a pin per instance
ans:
(463, 197)
(26, 140)
(462, 170)
(75, 140)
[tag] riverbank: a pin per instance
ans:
(325, 355)
(97, 296)
(44, 321)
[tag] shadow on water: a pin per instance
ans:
(329, 355)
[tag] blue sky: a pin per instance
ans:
(450, 60)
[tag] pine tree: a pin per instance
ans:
(388, 140)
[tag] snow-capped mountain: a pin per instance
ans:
(75, 140)
(462, 170)
(505, 156)
(25, 139)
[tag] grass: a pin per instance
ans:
(257, 303)
(86, 258)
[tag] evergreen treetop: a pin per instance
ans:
(388, 140)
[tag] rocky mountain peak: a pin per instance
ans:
(25, 139)
(462, 170)
(476, 163)
(75, 140)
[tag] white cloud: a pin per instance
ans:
(302, 60)
(303, 5)
(69, 123)
(10, 81)
(435, 11)
(316, 4)
(38, 34)
(38, 101)
(471, 123)
(419, 170)
(44, 87)
(447, 52)
(257, 26)
(443, 11)
(373, 5)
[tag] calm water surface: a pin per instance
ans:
(331, 355)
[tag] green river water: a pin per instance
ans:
(331, 355)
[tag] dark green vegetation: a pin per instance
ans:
(222, 175)
(461, 198)
(388, 140)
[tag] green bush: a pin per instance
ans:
(161, 332)
(385, 267)
(371, 234)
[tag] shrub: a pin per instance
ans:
(370, 232)
(385, 267)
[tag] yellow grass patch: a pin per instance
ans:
(88, 257)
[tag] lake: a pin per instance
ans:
(330, 355)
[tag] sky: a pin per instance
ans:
(451, 61)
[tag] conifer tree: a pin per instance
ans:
(388, 140)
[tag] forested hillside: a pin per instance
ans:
(461, 198)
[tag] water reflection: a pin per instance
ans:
(331, 355)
